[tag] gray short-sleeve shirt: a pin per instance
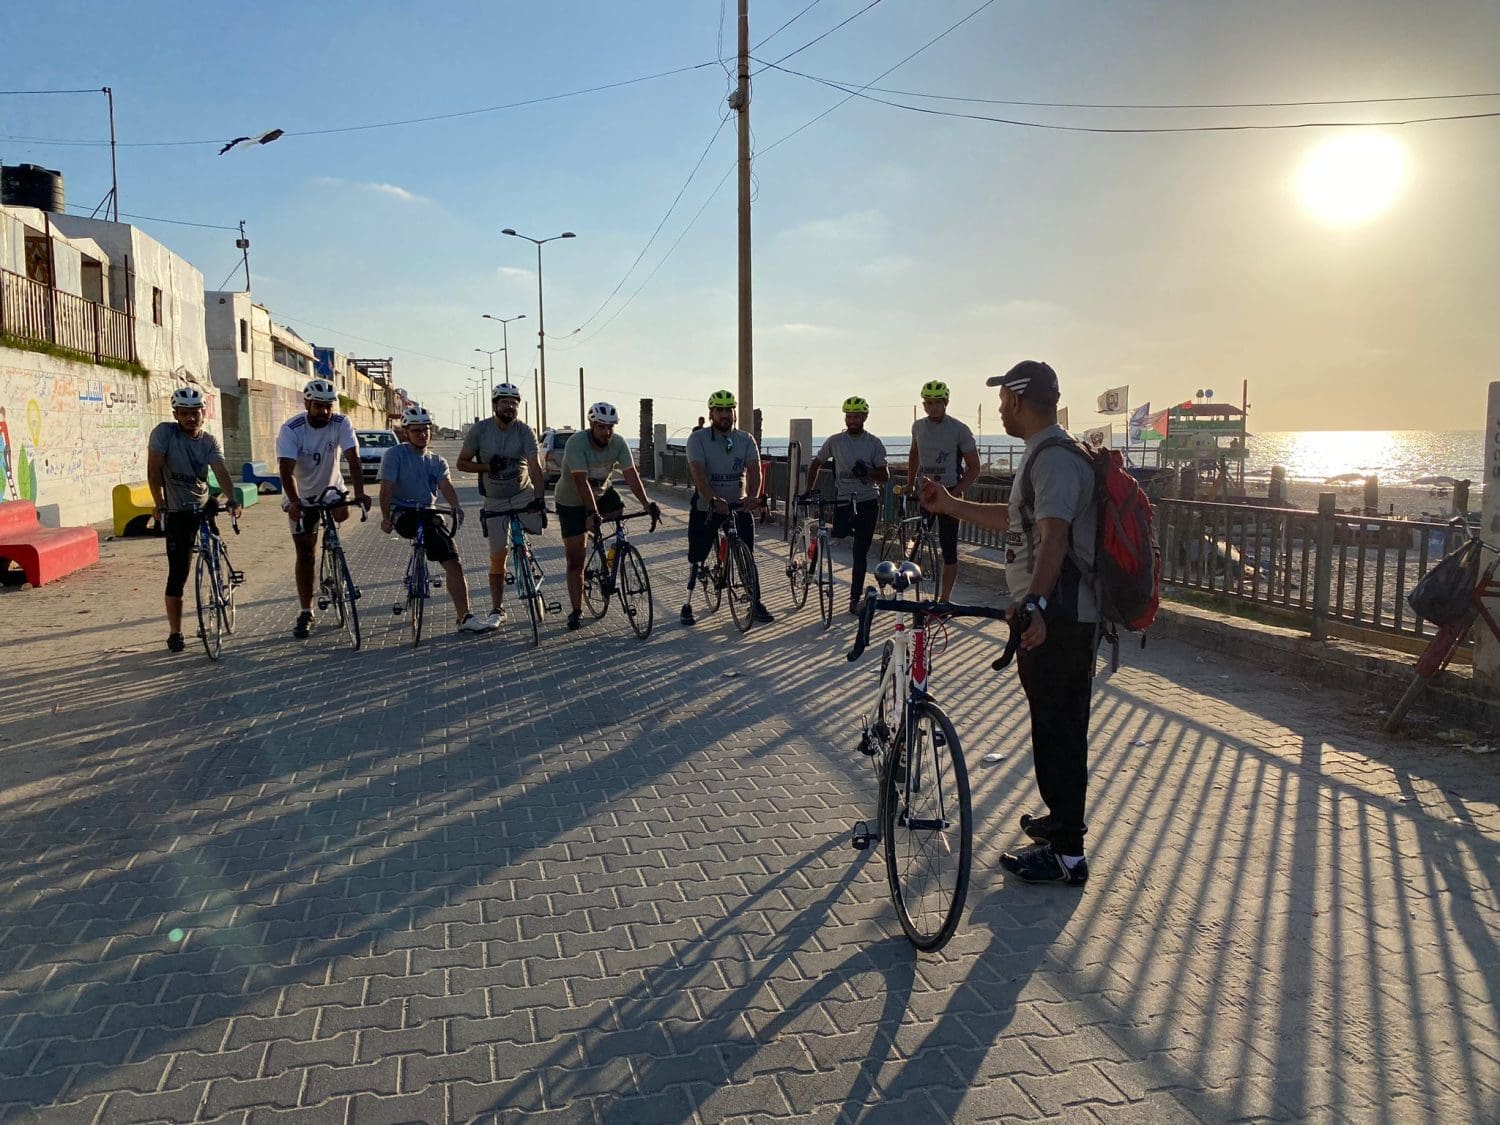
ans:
(1063, 483)
(415, 475)
(941, 447)
(188, 460)
(510, 485)
(582, 455)
(847, 451)
(723, 457)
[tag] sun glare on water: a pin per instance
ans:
(1352, 178)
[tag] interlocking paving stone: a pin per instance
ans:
(610, 881)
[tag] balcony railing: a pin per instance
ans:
(33, 310)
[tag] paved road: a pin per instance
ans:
(610, 881)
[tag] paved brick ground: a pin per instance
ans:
(610, 881)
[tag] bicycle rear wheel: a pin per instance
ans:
(348, 598)
(825, 581)
(596, 582)
(416, 595)
(210, 623)
(525, 583)
(635, 592)
(927, 829)
(797, 566)
(925, 554)
(740, 566)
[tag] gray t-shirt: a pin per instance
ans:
(723, 457)
(582, 455)
(847, 450)
(1063, 484)
(188, 460)
(941, 447)
(509, 486)
(415, 475)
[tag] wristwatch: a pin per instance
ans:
(1036, 600)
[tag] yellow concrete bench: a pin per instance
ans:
(132, 504)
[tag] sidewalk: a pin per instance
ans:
(607, 880)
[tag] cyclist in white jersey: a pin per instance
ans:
(307, 452)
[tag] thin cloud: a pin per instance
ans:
(803, 328)
(840, 228)
(515, 272)
(394, 191)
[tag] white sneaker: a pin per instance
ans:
(472, 624)
(496, 618)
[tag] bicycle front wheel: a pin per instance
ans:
(416, 596)
(635, 592)
(797, 566)
(925, 554)
(742, 585)
(349, 596)
(525, 583)
(226, 590)
(330, 587)
(927, 829)
(210, 623)
(825, 581)
(596, 583)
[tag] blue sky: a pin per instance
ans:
(891, 247)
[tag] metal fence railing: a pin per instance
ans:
(1332, 566)
(33, 310)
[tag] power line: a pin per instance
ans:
(73, 142)
(1240, 127)
(1132, 105)
(784, 26)
(158, 219)
(829, 32)
(95, 90)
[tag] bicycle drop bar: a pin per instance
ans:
(343, 500)
(873, 603)
(436, 509)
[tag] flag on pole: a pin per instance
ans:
(1137, 421)
(1115, 401)
(1100, 437)
(1155, 426)
(1062, 417)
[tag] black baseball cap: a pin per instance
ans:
(1031, 378)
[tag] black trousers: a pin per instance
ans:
(863, 515)
(1058, 684)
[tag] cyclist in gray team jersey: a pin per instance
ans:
(503, 450)
(942, 449)
(860, 463)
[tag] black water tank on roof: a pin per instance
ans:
(31, 185)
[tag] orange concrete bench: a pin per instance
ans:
(44, 554)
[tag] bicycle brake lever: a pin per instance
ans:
(1018, 626)
(866, 616)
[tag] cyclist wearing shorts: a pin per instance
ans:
(178, 459)
(503, 450)
(860, 464)
(725, 466)
(411, 474)
(939, 443)
(307, 453)
(585, 492)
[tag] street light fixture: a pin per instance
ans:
(491, 354)
(541, 318)
(474, 384)
(505, 336)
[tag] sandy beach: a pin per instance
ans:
(1400, 500)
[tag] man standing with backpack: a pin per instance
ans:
(1050, 525)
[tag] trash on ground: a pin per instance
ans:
(992, 758)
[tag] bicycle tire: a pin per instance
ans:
(740, 579)
(328, 582)
(826, 592)
(797, 566)
(635, 592)
(416, 598)
(525, 584)
(712, 581)
(595, 575)
(927, 829)
(892, 545)
(349, 595)
(226, 590)
(210, 623)
(1433, 660)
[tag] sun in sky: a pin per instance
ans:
(1352, 178)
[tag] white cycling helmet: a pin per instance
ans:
(320, 390)
(189, 398)
(605, 413)
(415, 415)
(506, 390)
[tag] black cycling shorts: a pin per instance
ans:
(181, 532)
(703, 525)
(436, 539)
(573, 519)
(947, 529)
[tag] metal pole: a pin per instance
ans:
(114, 176)
(536, 393)
(742, 107)
(580, 399)
(541, 340)
(505, 346)
(244, 245)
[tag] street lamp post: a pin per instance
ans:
(541, 319)
(474, 385)
(491, 354)
(505, 336)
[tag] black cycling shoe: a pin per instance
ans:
(175, 642)
(1040, 864)
(1036, 827)
(575, 619)
(686, 616)
(303, 628)
(762, 615)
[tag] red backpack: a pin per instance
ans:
(1127, 561)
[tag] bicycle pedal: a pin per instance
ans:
(862, 837)
(437, 583)
(396, 609)
(236, 577)
(554, 607)
(322, 603)
(867, 745)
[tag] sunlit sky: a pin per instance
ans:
(891, 247)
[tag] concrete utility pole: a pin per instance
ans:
(242, 244)
(582, 416)
(739, 101)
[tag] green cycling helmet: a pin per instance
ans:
(856, 405)
(935, 389)
(722, 399)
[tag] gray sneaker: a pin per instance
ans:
(473, 624)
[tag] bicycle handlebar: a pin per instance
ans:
(874, 602)
(342, 500)
(440, 510)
